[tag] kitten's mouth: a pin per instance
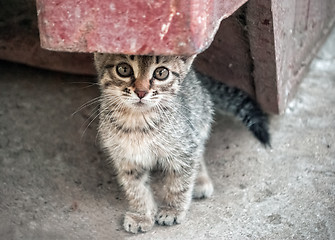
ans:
(140, 104)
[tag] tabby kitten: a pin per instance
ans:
(156, 112)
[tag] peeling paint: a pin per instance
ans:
(112, 7)
(163, 23)
(165, 27)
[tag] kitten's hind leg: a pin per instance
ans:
(142, 208)
(203, 185)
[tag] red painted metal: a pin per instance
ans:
(180, 27)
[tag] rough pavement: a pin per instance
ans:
(56, 184)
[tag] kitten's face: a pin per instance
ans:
(140, 82)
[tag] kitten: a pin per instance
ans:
(156, 112)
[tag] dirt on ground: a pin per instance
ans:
(55, 182)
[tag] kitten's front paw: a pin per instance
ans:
(170, 216)
(136, 222)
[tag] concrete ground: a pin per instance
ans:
(55, 183)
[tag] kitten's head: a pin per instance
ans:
(140, 82)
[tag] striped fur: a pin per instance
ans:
(156, 112)
(238, 103)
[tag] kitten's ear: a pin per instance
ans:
(188, 60)
(99, 60)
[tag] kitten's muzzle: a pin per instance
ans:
(141, 87)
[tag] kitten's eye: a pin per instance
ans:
(124, 70)
(161, 73)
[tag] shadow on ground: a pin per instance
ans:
(56, 184)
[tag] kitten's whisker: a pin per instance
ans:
(170, 101)
(84, 83)
(115, 112)
(90, 84)
(88, 103)
(177, 111)
(102, 120)
(97, 114)
(92, 113)
(169, 120)
(147, 122)
(183, 115)
(114, 107)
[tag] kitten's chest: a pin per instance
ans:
(138, 140)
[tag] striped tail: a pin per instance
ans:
(238, 103)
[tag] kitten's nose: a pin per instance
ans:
(140, 93)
